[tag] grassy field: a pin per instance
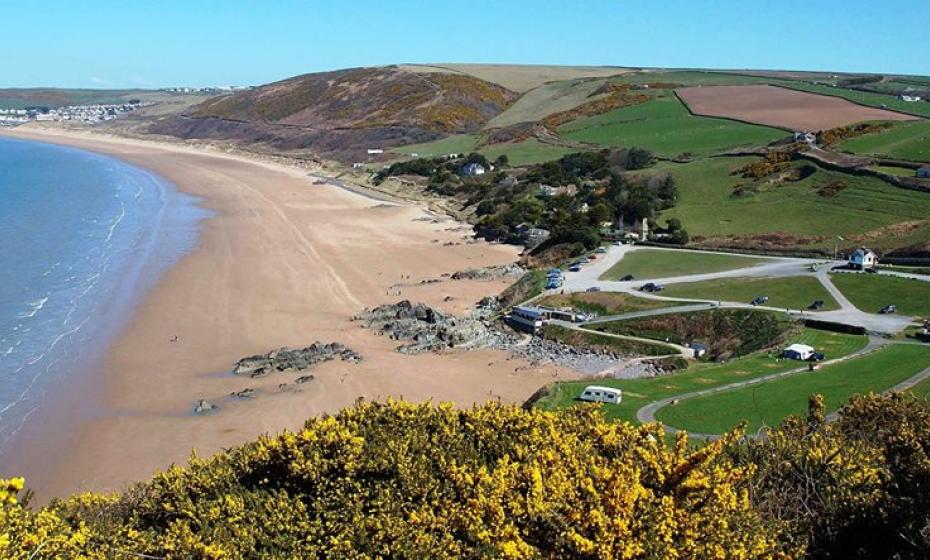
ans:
(871, 292)
(707, 207)
(893, 170)
(603, 303)
(920, 108)
(922, 389)
(792, 292)
(527, 152)
(910, 141)
(458, 144)
(652, 263)
(546, 99)
(692, 78)
(767, 404)
(640, 392)
(665, 127)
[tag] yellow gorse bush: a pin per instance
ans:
(422, 481)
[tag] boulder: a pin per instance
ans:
(288, 359)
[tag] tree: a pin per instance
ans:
(502, 161)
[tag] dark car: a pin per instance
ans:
(652, 287)
(759, 300)
(889, 309)
(627, 278)
(818, 304)
(817, 357)
(594, 289)
(871, 270)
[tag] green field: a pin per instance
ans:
(707, 208)
(792, 292)
(653, 263)
(871, 292)
(665, 127)
(767, 404)
(910, 141)
(458, 144)
(527, 152)
(894, 170)
(692, 78)
(921, 108)
(540, 102)
(640, 392)
(922, 389)
(603, 303)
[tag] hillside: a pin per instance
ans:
(343, 113)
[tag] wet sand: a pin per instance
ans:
(284, 262)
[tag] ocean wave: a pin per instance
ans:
(34, 307)
(116, 222)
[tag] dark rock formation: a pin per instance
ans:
(286, 359)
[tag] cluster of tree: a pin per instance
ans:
(440, 170)
(602, 196)
(399, 480)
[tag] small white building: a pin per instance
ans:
(375, 151)
(924, 172)
(806, 137)
(862, 259)
(909, 98)
(798, 352)
(596, 393)
(473, 170)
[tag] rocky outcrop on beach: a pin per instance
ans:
(541, 351)
(202, 407)
(511, 270)
(296, 359)
(429, 330)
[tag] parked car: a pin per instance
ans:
(592, 257)
(600, 250)
(594, 289)
(871, 270)
(651, 287)
(818, 304)
(817, 357)
(554, 272)
(889, 309)
(759, 300)
(627, 278)
(575, 268)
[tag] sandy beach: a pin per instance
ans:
(283, 262)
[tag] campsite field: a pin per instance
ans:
(708, 208)
(460, 143)
(871, 292)
(640, 392)
(767, 404)
(690, 78)
(920, 108)
(527, 152)
(665, 126)
(792, 292)
(603, 303)
(780, 107)
(910, 141)
(654, 263)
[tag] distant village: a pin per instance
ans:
(80, 113)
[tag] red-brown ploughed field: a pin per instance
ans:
(776, 106)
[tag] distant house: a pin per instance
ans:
(507, 182)
(798, 352)
(473, 170)
(924, 172)
(699, 349)
(375, 151)
(547, 191)
(530, 236)
(806, 137)
(358, 165)
(862, 259)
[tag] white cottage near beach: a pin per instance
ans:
(862, 259)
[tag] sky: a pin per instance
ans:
(162, 43)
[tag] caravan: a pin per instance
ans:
(596, 393)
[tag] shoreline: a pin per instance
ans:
(282, 262)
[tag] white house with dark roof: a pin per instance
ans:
(862, 259)
(473, 170)
(924, 172)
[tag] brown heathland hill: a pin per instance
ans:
(341, 113)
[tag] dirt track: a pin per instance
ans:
(776, 106)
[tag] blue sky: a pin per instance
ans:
(126, 43)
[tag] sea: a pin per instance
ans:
(83, 237)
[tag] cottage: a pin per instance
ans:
(806, 137)
(862, 259)
(798, 352)
(473, 169)
(924, 172)
(375, 151)
(909, 98)
(698, 348)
